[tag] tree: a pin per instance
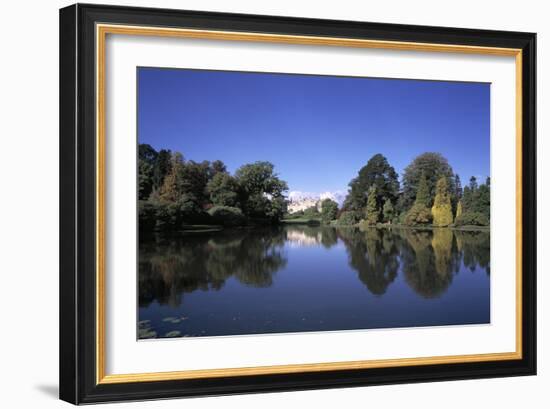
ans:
(442, 210)
(194, 178)
(379, 173)
(419, 213)
(482, 202)
(262, 192)
(458, 188)
(458, 210)
(311, 211)
(223, 190)
(473, 184)
(349, 218)
(423, 192)
(217, 167)
(161, 167)
(145, 179)
(329, 210)
(476, 204)
(388, 211)
(147, 157)
(433, 166)
(372, 211)
(171, 190)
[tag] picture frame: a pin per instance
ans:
(83, 284)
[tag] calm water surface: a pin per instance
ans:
(301, 278)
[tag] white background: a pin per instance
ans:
(29, 175)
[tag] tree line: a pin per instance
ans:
(430, 194)
(173, 192)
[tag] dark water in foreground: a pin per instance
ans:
(300, 278)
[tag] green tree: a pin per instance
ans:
(482, 202)
(329, 210)
(442, 210)
(217, 167)
(379, 173)
(458, 188)
(423, 192)
(193, 179)
(420, 213)
(311, 212)
(458, 210)
(388, 211)
(433, 166)
(476, 204)
(223, 190)
(262, 192)
(147, 157)
(145, 179)
(372, 211)
(161, 167)
(349, 218)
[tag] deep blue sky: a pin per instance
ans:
(318, 131)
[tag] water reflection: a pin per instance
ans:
(427, 262)
(168, 268)
(373, 253)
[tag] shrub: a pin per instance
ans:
(349, 218)
(418, 215)
(227, 216)
(472, 219)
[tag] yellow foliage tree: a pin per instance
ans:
(442, 210)
(170, 189)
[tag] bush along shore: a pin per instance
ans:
(183, 195)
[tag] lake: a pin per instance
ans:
(298, 278)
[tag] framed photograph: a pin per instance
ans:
(258, 203)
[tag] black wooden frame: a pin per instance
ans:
(77, 204)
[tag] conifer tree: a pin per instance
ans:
(420, 214)
(423, 192)
(388, 211)
(372, 210)
(442, 210)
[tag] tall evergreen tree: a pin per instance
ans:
(458, 188)
(379, 173)
(161, 167)
(473, 184)
(442, 210)
(372, 211)
(423, 192)
(420, 213)
(388, 211)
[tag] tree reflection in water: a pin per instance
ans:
(374, 255)
(203, 261)
(428, 259)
